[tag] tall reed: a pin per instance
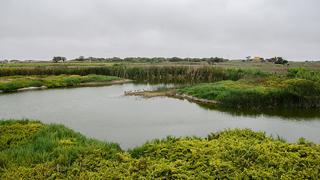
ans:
(143, 73)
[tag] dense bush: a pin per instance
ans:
(53, 151)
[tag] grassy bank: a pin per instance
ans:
(32, 150)
(13, 83)
(271, 92)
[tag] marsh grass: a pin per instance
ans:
(160, 74)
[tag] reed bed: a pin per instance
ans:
(142, 73)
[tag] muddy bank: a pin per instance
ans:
(170, 93)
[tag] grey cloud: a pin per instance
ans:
(40, 29)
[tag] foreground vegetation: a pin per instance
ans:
(13, 83)
(32, 150)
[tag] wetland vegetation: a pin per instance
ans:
(272, 92)
(156, 74)
(299, 88)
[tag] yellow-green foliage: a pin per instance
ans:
(270, 92)
(12, 83)
(17, 132)
(57, 152)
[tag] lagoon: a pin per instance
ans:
(106, 114)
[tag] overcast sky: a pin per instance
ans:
(40, 29)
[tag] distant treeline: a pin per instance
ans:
(57, 59)
(153, 59)
(149, 74)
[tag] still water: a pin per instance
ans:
(106, 114)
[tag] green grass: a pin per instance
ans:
(39, 151)
(271, 92)
(12, 83)
(304, 74)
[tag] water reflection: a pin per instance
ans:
(293, 114)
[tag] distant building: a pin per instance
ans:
(255, 59)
